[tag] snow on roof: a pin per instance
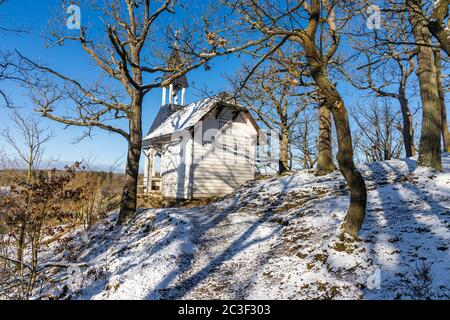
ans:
(182, 119)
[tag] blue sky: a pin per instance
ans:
(104, 148)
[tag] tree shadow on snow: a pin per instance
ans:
(164, 291)
(402, 230)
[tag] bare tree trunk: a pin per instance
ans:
(358, 193)
(21, 242)
(445, 132)
(283, 163)
(306, 155)
(436, 24)
(318, 68)
(325, 163)
(444, 127)
(129, 194)
(408, 128)
(430, 140)
(23, 227)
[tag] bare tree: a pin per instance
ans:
(7, 70)
(275, 98)
(3, 159)
(305, 137)
(321, 13)
(314, 26)
(297, 67)
(293, 62)
(430, 140)
(436, 23)
(387, 63)
(5, 74)
(377, 128)
(325, 163)
(27, 138)
(444, 127)
(133, 60)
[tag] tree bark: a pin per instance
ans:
(358, 193)
(317, 64)
(430, 140)
(445, 132)
(21, 241)
(283, 163)
(325, 163)
(129, 193)
(408, 128)
(444, 127)
(306, 155)
(436, 24)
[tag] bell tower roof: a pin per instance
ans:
(174, 63)
(177, 88)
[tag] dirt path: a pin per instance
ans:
(229, 250)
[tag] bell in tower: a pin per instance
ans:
(177, 89)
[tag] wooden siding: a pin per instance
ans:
(223, 164)
(195, 168)
(175, 168)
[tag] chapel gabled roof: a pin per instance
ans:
(174, 118)
(169, 122)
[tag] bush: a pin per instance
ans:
(27, 213)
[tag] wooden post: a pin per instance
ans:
(170, 94)
(146, 164)
(163, 102)
(149, 169)
(152, 166)
(183, 92)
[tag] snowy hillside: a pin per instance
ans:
(275, 239)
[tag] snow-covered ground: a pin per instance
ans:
(4, 190)
(274, 239)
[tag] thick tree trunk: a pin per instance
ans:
(283, 163)
(445, 132)
(129, 194)
(408, 128)
(430, 140)
(358, 193)
(444, 126)
(436, 24)
(325, 163)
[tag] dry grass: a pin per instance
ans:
(157, 201)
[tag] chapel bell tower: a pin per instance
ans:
(175, 93)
